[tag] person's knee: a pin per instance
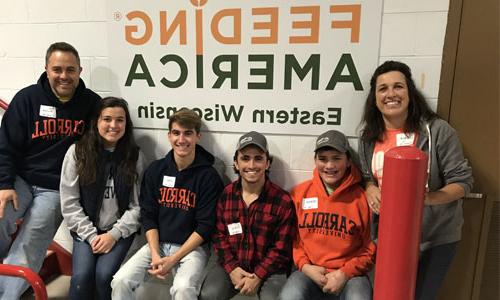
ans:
(81, 278)
(124, 281)
(183, 291)
(297, 287)
(358, 288)
(122, 288)
(209, 292)
(119, 281)
(359, 296)
(216, 285)
(118, 277)
(183, 284)
(7, 229)
(104, 276)
(288, 292)
(272, 287)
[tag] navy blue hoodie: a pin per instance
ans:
(178, 207)
(33, 146)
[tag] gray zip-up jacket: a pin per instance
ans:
(72, 211)
(441, 224)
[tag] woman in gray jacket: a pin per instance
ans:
(99, 198)
(396, 114)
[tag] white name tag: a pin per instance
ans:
(235, 228)
(168, 181)
(310, 203)
(403, 139)
(48, 111)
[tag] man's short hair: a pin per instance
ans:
(186, 118)
(61, 46)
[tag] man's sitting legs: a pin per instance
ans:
(187, 273)
(42, 217)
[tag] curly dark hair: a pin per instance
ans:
(372, 123)
(88, 149)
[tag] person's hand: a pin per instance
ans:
(155, 262)
(373, 197)
(162, 267)
(103, 243)
(251, 285)
(316, 273)
(335, 282)
(5, 197)
(238, 276)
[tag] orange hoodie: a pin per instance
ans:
(336, 234)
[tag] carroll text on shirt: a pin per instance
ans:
(328, 221)
(49, 128)
(177, 198)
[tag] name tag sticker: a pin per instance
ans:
(48, 111)
(235, 228)
(168, 181)
(403, 139)
(310, 203)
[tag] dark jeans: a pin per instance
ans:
(92, 273)
(432, 267)
(300, 287)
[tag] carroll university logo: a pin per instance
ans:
(50, 129)
(330, 224)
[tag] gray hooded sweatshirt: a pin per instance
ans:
(441, 224)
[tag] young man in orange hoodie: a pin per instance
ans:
(333, 250)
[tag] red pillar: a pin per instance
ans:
(403, 191)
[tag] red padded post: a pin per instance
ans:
(27, 274)
(403, 192)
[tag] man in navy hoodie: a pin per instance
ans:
(42, 121)
(177, 200)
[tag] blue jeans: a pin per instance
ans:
(92, 273)
(301, 287)
(218, 286)
(432, 267)
(187, 273)
(40, 209)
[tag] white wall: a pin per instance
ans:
(412, 31)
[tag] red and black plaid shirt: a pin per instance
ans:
(268, 224)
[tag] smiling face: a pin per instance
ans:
(332, 166)
(63, 72)
(183, 141)
(111, 125)
(391, 96)
(252, 163)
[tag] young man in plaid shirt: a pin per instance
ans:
(254, 229)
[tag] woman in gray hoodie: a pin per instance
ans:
(396, 114)
(99, 188)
